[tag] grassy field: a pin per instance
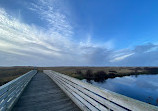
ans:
(110, 72)
(10, 73)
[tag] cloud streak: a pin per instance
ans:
(57, 21)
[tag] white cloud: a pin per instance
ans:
(20, 38)
(121, 57)
(31, 44)
(109, 44)
(142, 55)
(24, 44)
(56, 20)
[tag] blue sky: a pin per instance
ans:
(79, 32)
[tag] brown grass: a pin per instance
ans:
(9, 73)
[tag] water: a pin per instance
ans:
(141, 87)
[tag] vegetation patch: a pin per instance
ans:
(98, 74)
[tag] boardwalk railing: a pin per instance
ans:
(10, 92)
(91, 98)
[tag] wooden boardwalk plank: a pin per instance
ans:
(42, 94)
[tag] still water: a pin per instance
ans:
(141, 87)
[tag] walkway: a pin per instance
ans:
(42, 94)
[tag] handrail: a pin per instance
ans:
(11, 91)
(89, 97)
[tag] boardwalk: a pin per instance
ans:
(42, 94)
(47, 92)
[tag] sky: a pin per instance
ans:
(78, 33)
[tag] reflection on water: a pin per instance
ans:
(141, 87)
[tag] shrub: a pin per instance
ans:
(100, 76)
(89, 75)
